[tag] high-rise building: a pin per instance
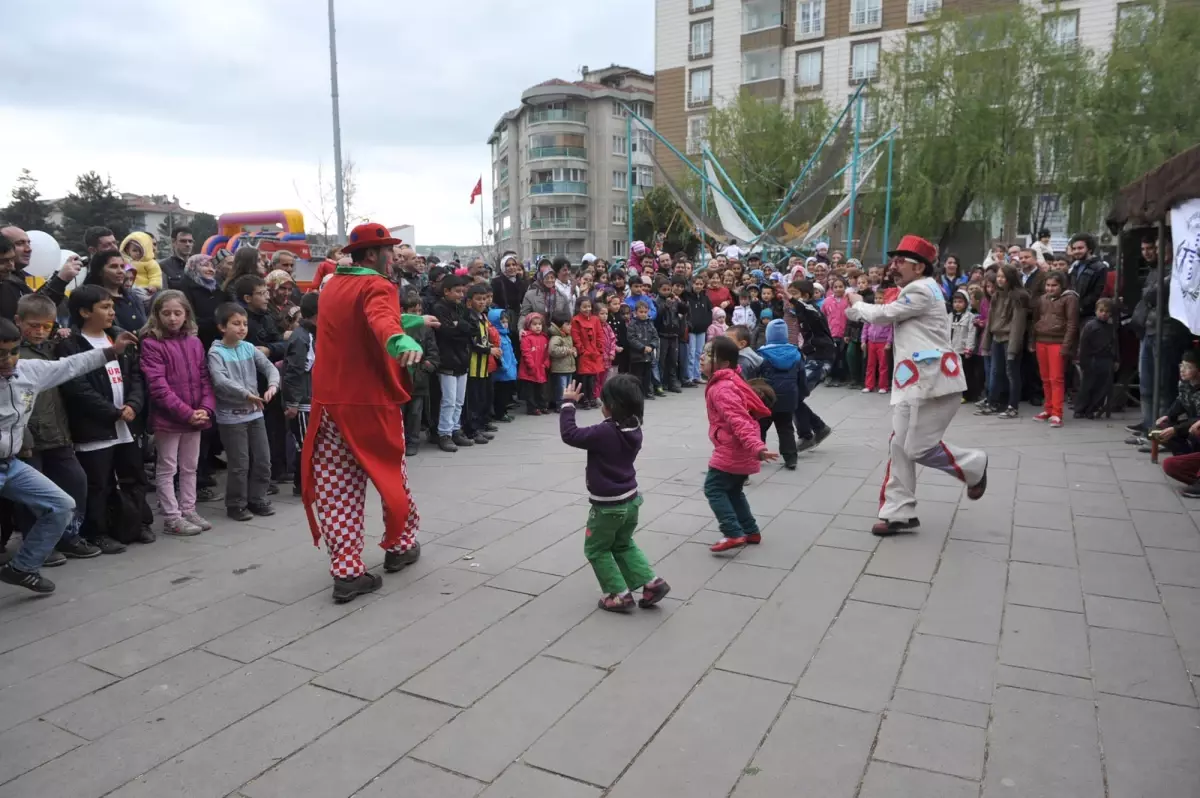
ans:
(560, 165)
(706, 52)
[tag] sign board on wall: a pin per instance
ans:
(1185, 270)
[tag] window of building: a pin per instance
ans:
(760, 65)
(620, 180)
(808, 69)
(1133, 22)
(620, 145)
(1062, 29)
(620, 214)
(643, 176)
(620, 247)
(870, 110)
(701, 5)
(558, 175)
(702, 35)
(618, 109)
(700, 87)
(922, 10)
(810, 18)
(864, 61)
(503, 136)
(865, 14)
(505, 226)
(643, 142)
(643, 109)
(917, 52)
(697, 134)
(557, 213)
(806, 108)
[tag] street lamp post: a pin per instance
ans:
(337, 130)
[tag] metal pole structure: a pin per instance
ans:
(1162, 308)
(887, 203)
(710, 158)
(337, 130)
(854, 178)
(629, 181)
(700, 232)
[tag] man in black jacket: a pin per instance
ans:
(668, 324)
(1088, 273)
(15, 251)
(173, 267)
(1176, 338)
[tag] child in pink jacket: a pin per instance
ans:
(738, 448)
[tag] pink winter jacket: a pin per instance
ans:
(177, 380)
(835, 312)
(733, 410)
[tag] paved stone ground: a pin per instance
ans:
(1035, 643)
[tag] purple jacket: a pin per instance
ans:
(177, 378)
(611, 450)
(877, 333)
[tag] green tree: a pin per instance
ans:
(1144, 112)
(94, 203)
(28, 210)
(204, 226)
(764, 146)
(657, 212)
(992, 111)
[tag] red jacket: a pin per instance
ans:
(733, 410)
(494, 342)
(535, 357)
(587, 333)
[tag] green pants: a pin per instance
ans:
(618, 562)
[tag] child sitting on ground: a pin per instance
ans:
(612, 446)
(733, 413)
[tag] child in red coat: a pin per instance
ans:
(535, 362)
(733, 412)
(587, 335)
(609, 348)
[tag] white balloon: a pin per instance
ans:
(66, 253)
(46, 258)
(78, 281)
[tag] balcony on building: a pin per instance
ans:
(762, 74)
(566, 217)
(761, 15)
(557, 145)
(810, 20)
(546, 115)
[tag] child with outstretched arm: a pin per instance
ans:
(612, 446)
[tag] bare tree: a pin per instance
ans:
(350, 191)
(322, 208)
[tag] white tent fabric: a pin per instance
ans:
(818, 229)
(731, 220)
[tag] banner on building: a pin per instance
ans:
(1185, 269)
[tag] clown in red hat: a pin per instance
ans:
(356, 429)
(927, 386)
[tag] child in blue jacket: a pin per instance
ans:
(504, 378)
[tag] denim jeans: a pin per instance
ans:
(696, 343)
(560, 383)
(655, 370)
(1006, 375)
(727, 497)
(987, 376)
(60, 465)
(454, 393)
(50, 505)
(1168, 386)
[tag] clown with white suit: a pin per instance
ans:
(927, 387)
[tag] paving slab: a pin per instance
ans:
(1117, 576)
(1149, 747)
(967, 599)
(1140, 666)
(885, 780)
(30, 744)
(955, 668)
(411, 779)
(1047, 586)
(818, 745)
(1046, 640)
(929, 744)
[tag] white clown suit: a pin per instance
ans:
(927, 386)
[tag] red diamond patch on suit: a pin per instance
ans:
(951, 366)
(906, 374)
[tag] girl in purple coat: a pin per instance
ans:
(182, 405)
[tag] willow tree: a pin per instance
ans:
(763, 146)
(990, 109)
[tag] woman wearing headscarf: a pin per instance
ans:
(201, 289)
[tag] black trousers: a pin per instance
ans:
(299, 429)
(587, 384)
(414, 414)
(668, 360)
(784, 423)
(642, 372)
(976, 379)
(105, 469)
(1095, 387)
(477, 406)
(807, 422)
(277, 438)
(534, 394)
(60, 466)
(502, 395)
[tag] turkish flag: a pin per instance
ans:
(477, 191)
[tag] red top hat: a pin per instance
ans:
(368, 235)
(916, 248)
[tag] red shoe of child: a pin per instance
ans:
(754, 539)
(1042, 416)
(725, 544)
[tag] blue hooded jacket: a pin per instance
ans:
(782, 367)
(508, 359)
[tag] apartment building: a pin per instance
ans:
(799, 51)
(560, 165)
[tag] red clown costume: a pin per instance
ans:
(356, 429)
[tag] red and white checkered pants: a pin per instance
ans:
(341, 486)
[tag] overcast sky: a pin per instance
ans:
(225, 103)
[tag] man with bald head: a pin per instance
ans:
(12, 281)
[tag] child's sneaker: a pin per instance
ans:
(754, 538)
(725, 544)
(885, 390)
(1042, 416)
(263, 508)
(614, 603)
(867, 390)
(1055, 422)
(239, 514)
(659, 391)
(654, 592)
(196, 519)
(30, 581)
(177, 527)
